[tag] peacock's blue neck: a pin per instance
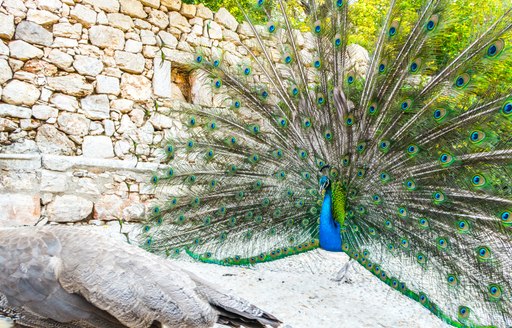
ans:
(330, 237)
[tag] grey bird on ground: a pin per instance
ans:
(60, 276)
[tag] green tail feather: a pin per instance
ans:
(418, 144)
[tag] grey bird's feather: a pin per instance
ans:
(72, 277)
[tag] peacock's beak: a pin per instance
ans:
(323, 187)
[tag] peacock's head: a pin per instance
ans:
(324, 181)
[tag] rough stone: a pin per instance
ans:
(187, 10)
(120, 21)
(64, 102)
(96, 107)
(134, 212)
(161, 77)
(7, 125)
(204, 12)
(53, 181)
(158, 18)
(69, 208)
(6, 26)
(110, 128)
(66, 30)
(171, 4)
(84, 15)
(128, 62)
(51, 5)
(73, 124)
(33, 33)
(4, 49)
(60, 59)
(135, 87)
(20, 93)
(122, 105)
(98, 147)
(72, 84)
(19, 209)
(161, 121)
(110, 6)
(178, 21)
(87, 65)
(42, 17)
(7, 110)
(109, 207)
(44, 112)
(39, 67)
(133, 46)
(169, 40)
(179, 58)
(24, 51)
(151, 3)
(214, 30)
(107, 84)
(60, 42)
(133, 8)
(224, 18)
(5, 71)
(147, 37)
(52, 141)
(106, 37)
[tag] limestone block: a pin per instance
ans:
(106, 37)
(161, 121)
(6, 26)
(147, 37)
(69, 208)
(60, 42)
(50, 5)
(179, 58)
(204, 12)
(171, 4)
(7, 110)
(42, 17)
(7, 125)
(151, 3)
(38, 67)
(109, 207)
(4, 49)
(128, 62)
(120, 21)
(133, 8)
(135, 87)
(5, 71)
(158, 18)
(126, 125)
(52, 141)
(134, 212)
(20, 93)
(66, 30)
(19, 209)
(188, 10)
(84, 15)
(245, 29)
(122, 105)
(178, 21)
(161, 77)
(74, 124)
(22, 50)
(33, 33)
(87, 65)
(96, 107)
(169, 40)
(109, 127)
(98, 147)
(44, 112)
(64, 102)
(53, 181)
(110, 6)
(107, 85)
(60, 59)
(214, 30)
(224, 18)
(72, 84)
(133, 46)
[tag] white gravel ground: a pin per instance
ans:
(301, 292)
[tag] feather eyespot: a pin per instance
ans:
(452, 280)
(463, 312)
(507, 108)
(350, 79)
(495, 49)
(271, 27)
(318, 27)
(432, 23)
(476, 136)
(494, 292)
(483, 253)
(170, 172)
(199, 59)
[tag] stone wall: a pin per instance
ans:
(79, 130)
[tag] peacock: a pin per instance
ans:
(406, 166)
